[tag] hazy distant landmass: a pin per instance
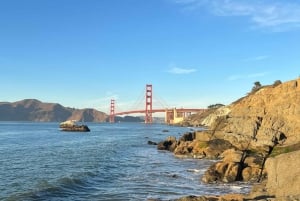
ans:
(35, 110)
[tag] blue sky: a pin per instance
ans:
(82, 53)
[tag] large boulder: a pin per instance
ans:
(236, 165)
(284, 175)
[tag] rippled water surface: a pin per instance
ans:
(112, 162)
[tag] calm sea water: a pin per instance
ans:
(112, 162)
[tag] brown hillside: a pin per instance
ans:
(268, 115)
(35, 110)
(88, 115)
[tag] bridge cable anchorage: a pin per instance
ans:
(148, 110)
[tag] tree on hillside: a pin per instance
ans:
(215, 106)
(276, 83)
(256, 86)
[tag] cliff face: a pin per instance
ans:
(35, 110)
(266, 117)
(259, 124)
(255, 139)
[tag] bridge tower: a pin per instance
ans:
(112, 111)
(148, 111)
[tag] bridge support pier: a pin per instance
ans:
(174, 116)
(148, 110)
(112, 111)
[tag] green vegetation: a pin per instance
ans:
(276, 83)
(215, 106)
(283, 150)
(202, 144)
(256, 86)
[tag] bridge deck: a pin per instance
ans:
(160, 110)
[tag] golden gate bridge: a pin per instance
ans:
(172, 116)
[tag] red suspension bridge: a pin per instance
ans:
(171, 115)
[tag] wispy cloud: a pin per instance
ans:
(257, 58)
(235, 77)
(241, 77)
(258, 75)
(176, 70)
(273, 15)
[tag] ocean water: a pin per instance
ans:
(112, 162)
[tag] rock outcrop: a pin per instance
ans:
(267, 117)
(252, 130)
(284, 176)
(256, 124)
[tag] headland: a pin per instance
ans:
(255, 139)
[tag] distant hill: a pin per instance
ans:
(128, 119)
(35, 110)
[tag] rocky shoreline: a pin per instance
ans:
(255, 139)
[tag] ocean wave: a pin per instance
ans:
(194, 170)
(61, 188)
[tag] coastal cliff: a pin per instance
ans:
(255, 139)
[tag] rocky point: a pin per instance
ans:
(255, 139)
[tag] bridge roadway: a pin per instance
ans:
(179, 110)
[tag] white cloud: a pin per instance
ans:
(176, 70)
(257, 58)
(235, 77)
(273, 15)
(258, 75)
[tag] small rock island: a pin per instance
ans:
(71, 125)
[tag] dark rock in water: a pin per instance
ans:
(168, 144)
(152, 143)
(165, 130)
(72, 126)
(77, 128)
(188, 136)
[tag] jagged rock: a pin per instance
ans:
(183, 148)
(188, 136)
(202, 149)
(232, 155)
(152, 143)
(245, 134)
(236, 166)
(211, 119)
(169, 144)
(229, 197)
(222, 171)
(197, 198)
(268, 116)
